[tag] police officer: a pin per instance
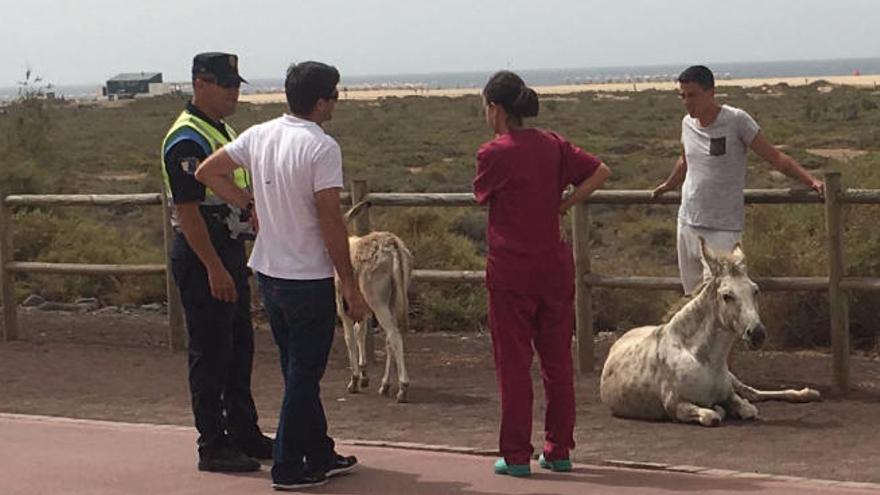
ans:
(208, 264)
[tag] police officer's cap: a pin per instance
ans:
(223, 66)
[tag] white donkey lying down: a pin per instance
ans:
(383, 267)
(678, 370)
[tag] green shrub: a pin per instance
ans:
(428, 144)
(40, 236)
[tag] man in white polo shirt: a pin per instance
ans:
(296, 171)
(716, 140)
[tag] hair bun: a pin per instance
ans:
(508, 90)
(526, 103)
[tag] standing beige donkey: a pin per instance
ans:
(383, 268)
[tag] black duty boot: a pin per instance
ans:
(226, 460)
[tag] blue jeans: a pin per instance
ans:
(302, 314)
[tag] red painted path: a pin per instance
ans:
(50, 456)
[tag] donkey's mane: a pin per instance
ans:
(729, 267)
(682, 302)
(685, 320)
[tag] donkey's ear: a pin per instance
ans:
(738, 256)
(711, 266)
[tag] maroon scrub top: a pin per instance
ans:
(521, 176)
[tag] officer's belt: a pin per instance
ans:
(215, 220)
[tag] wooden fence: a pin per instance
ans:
(836, 284)
(9, 267)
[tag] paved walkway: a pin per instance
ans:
(50, 456)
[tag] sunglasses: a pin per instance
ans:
(226, 84)
(334, 96)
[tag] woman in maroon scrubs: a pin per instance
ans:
(521, 176)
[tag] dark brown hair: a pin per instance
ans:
(509, 90)
(699, 74)
(308, 82)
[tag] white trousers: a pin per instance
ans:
(690, 268)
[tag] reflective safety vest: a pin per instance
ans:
(188, 127)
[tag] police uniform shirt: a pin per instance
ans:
(182, 159)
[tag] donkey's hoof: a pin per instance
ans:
(710, 418)
(353, 385)
(747, 412)
(402, 393)
(809, 395)
(384, 389)
(365, 382)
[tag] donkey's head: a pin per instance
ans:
(735, 295)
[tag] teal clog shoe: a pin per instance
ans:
(560, 466)
(501, 467)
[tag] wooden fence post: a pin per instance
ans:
(7, 278)
(176, 334)
(583, 292)
(840, 342)
(359, 191)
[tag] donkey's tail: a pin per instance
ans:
(401, 272)
(355, 210)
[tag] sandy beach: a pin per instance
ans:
(375, 94)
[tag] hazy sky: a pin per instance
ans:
(87, 41)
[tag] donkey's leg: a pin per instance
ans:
(789, 395)
(350, 346)
(360, 329)
(741, 408)
(688, 412)
(395, 347)
(396, 341)
(385, 385)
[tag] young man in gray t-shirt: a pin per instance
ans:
(715, 141)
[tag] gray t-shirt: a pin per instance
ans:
(712, 194)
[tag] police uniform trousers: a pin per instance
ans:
(221, 345)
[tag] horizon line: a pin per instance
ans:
(533, 69)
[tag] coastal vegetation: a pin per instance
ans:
(420, 144)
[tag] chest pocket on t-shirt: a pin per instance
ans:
(718, 146)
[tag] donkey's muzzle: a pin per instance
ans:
(756, 335)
